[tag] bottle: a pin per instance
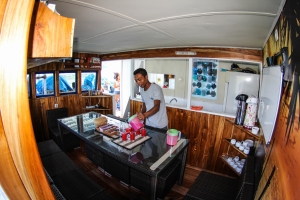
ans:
(128, 115)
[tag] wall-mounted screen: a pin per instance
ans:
(269, 97)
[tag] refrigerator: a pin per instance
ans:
(239, 83)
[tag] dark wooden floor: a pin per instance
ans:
(120, 191)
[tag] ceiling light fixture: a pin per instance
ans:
(185, 53)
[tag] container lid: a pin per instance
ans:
(132, 117)
(172, 132)
(252, 99)
(241, 97)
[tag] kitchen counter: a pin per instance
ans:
(202, 111)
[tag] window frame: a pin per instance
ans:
(96, 79)
(29, 85)
(45, 72)
(76, 82)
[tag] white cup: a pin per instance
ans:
(229, 159)
(233, 141)
(235, 166)
(247, 150)
(245, 143)
(236, 158)
(238, 144)
(241, 147)
(255, 130)
(243, 160)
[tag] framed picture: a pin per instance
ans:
(205, 77)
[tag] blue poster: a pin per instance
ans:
(205, 76)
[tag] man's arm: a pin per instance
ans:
(143, 114)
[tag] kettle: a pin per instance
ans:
(241, 108)
(173, 136)
(251, 110)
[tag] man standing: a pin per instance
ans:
(154, 108)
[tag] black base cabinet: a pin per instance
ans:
(133, 177)
(116, 169)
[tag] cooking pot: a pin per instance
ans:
(135, 122)
(173, 136)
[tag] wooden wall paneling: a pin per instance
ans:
(219, 128)
(202, 131)
(32, 86)
(275, 189)
(36, 111)
(22, 172)
(79, 82)
(99, 80)
(135, 106)
(56, 84)
(213, 141)
(215, 53)
(209, 140)
(285, 156)
(192, 136)
(13, 187)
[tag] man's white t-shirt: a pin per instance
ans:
(159, 119)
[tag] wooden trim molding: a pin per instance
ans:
(254, 55)
(22, 173)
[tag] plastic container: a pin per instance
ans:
(173, 136)
(135, 122)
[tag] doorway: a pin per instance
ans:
(109, 72)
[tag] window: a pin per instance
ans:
(88, 81)
(163, 80)
(28, 85)
(44, 84)
(67, 82)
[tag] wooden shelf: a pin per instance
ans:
(236, 148)
(79, 68)
(97, 108)
(85, 64)
(243, 129)
(226, 163)
(100, 107)
(98, 96)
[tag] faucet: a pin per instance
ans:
(172, 100)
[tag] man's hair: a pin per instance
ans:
(140, 71)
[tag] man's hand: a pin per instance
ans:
(141, 116)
